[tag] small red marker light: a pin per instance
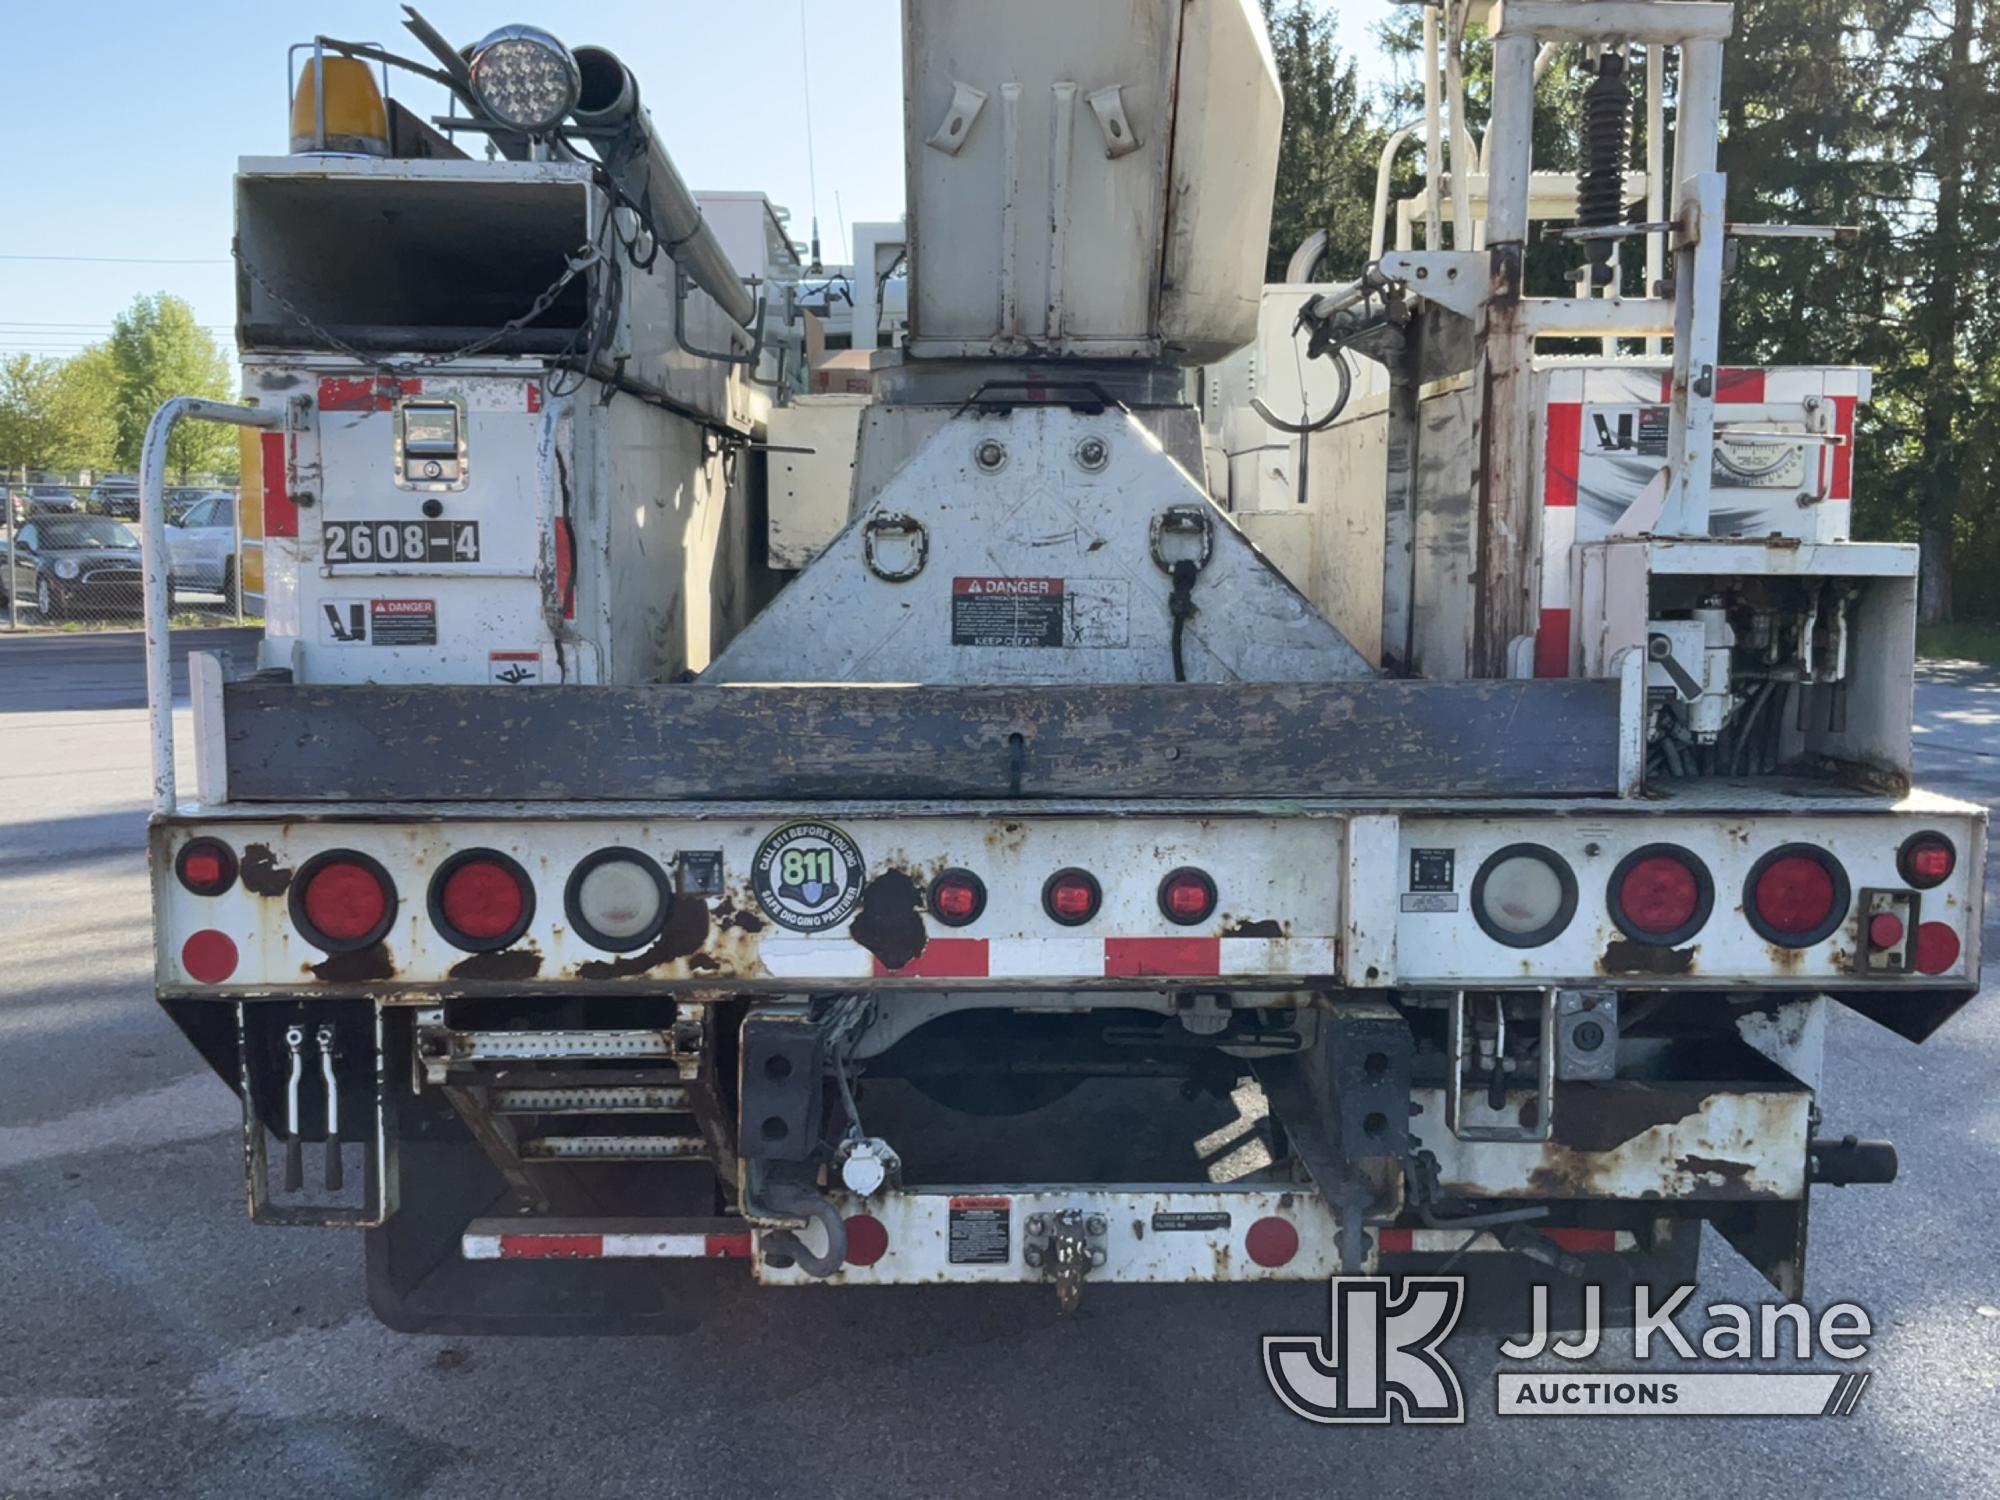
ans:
(1926, 860)
(1072, 897)
(1272, 1242)
(206, 867)
(957, 898)
(1187, 896)
(209, 957)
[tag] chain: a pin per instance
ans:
(579, 261)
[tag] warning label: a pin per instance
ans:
(979, 1231)
(1006, 611)
(1182, 1223)
(403, 622)
(514, 667)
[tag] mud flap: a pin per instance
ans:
(420, 1282)
(1772, 1237)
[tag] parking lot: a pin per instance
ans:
(158, 1345)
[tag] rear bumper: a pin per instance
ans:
(1355, 896)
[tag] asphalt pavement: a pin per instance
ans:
(152, 1343)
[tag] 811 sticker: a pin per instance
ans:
(808, 876)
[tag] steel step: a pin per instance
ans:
(614, 1148)
(444, 1045)
(623, 1099)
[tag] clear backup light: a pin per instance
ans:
(524, 77)
(618, 900)
(1524, 895)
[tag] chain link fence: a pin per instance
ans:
(70, 558)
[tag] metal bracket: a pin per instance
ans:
(1065, 1246)
(894, 546)
(1455, 279)
(293, 1062)
(1545, 1071)
(1177, 529)
(1586, 1034)
(1108, 104)
(956, 126)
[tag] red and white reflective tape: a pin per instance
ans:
(1065, 958)
(1444, 1241)
(482, 1243)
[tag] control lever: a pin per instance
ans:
(295, 1151)
(335, 1179)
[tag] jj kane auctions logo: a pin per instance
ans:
(1382, 1358)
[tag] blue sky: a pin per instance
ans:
(138, 113)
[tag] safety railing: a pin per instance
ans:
(156, 567)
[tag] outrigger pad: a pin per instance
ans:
(419, 1280)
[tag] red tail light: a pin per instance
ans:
(1187, 896)
(206, 867)
(1926, 860)
(1796, 896)
(481, 900)
(1072, 897)
(1661, 894)
(342, 901)
(957, 898)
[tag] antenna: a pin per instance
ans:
(812, 168)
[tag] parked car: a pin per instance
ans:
(70, 565)
(53, 499)
(201, 546)
(121, 500)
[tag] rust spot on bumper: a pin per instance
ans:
(261, 872)
(1623, 956)
(1603, 1119)
(890, 922)
(372, 962)
(685, 933)
(1242, 928)
(509, 963)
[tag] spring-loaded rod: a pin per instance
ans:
(1607, 148)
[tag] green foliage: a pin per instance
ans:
(54, 414)
(1326, 164)
(90, 411)
(159, 352)
(1879, 114)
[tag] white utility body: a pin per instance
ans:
(1184, 780)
